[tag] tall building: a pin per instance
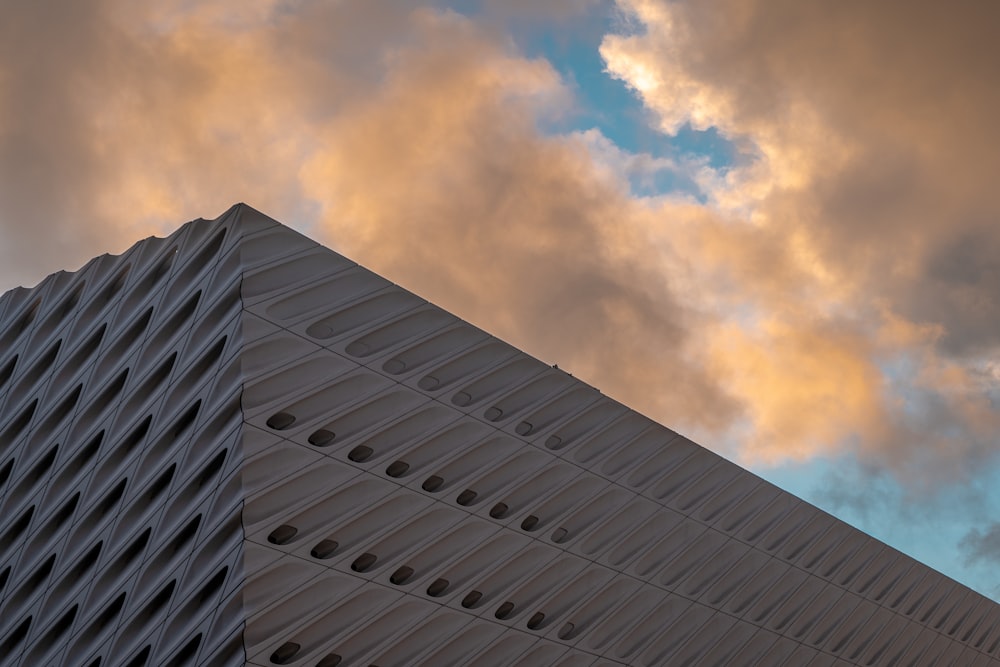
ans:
(233, 446)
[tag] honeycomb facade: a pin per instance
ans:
(233, 446)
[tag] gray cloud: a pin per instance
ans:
(982, 545)
(50, 58)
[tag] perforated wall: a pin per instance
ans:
(120, 471)
(234, 446)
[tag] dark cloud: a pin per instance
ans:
(982, 545)
(960, 287)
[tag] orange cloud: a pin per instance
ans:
(872, 186)
(838, 290)
(809, 389)
(441, 181)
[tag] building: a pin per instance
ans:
(234, 446)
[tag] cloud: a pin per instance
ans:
(835, 291)
(49, 169)
(858, 244)
(407, 137)
(112, 127)
(829, 298)
(442, 181)
(982, 545)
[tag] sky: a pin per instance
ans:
(772, 225)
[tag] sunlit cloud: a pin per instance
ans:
(524, 234)
(827, 225)
(407, 137)
(833, 290)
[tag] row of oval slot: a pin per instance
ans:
(397, 469)
(287, 652)
(326, 548)
(282, 421)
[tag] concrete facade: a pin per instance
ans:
(234, 446)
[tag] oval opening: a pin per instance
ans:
(530, 522)
(285, 653)
(437, 588)
(330, 660)
(283, 534)
(279, 421)
(357, 349)
(394, 367)
(429, 383)
(360, 453)
(504, 610)
(324, 549)
(397, 469)
(553, 442)
(470, 600)
(432, 484)
(466, 497)
(364, 562)
(322, 438)
(401, 575)
(499, 510)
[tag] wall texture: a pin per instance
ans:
(120, 465)
(234, 446)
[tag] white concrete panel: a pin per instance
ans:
(234, 446)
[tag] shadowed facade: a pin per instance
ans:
(234, 446)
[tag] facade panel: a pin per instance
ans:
(234, 446)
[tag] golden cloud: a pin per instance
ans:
(837, 290)
(872, 185)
